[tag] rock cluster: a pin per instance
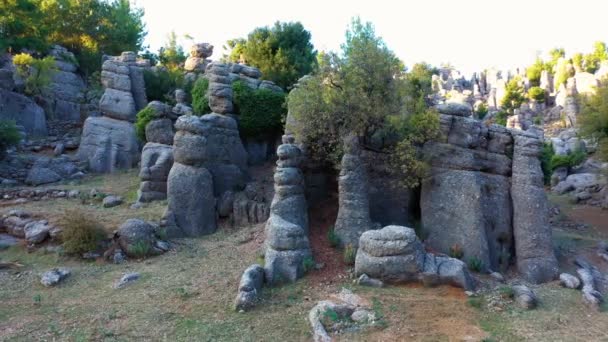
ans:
(209, 159)
(22, 225)
(394, 254)
(287, 245)
(109, 142)
(247, 207)
(353, 214)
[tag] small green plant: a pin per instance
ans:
(537, 94)
(546, 155)
(200, 98)
(37, 299)
(308, 264)
(538, 121)
(456, 251)
(570, 160)
(333, 238)
(350, 254)
(142, 120)
(475, 302)
(501, 118)
(9, 136)
(481, 111)
(506, 292)
(36, 72)
(80, 232)
(331, 315)
(475, 264)
(140, 248)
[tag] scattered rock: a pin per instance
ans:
(497, 276)
(137, 238)
(569, 281)
(126, 279)
(7, 241)
(525, 297)
(250, 287)
(36, 231)
(119, 257)
(54, 276)
(364, 280)
(112, 201)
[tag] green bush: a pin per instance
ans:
(333, 238)
(200, 100)
(506, 292)
(350, 254)
(260, 111)
(546, 155)
(501, 118)
(9, 136)
(143, 118)
(80, 232)
(482, 111)
(570, 160)
(593, 119)
(36, 72)
(475, 264)
(161, 84)
(308, 264)
(537, 93)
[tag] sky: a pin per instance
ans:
(469, 34)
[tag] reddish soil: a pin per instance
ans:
(322, 219)
(594, 216)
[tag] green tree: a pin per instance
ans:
(577, 61)
(36, 72)
(283, 52)
(171, 55)
(593, 118)
(20, 26)
(363, 90)
(554, 55)
(514, 95)
(593, 60)
(534, 72)
(537, 93)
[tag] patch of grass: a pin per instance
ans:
(350, 254)
(334, 239)
(506, 292)
(80, 232)
(475, 302)
(475, 264)
(331, 315)
(308, 264)
(141, 249)
(37, 299)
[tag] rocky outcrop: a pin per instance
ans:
(24, 112)
(353, 214)
(65, 94)
(156, 162)
(197, 60)
(220, 88)
(395, 254)
(109, 142)
(533, 239)
(287, 245)
(209, 160)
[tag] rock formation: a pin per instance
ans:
(250, 288)
(394, 254)
(287, 245)
(220, 88)
(109, 142)
(353, 214)
(197, 61)
(533, 239)
(65, 93)
(209, 160)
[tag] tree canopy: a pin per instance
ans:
(283, 52)
(593, 118)
(89, 28)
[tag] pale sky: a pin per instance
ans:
(469, 34)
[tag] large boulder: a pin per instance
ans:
(160, 131)
(156, 162)
(23, 111)
(137, 238)
(108, 144)
(191, 204)
(118, 104)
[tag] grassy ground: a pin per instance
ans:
(187, 295)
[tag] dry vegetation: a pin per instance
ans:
(187, 294)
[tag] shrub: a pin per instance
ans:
(308, 264)
(593, 119)
(9, 136)
(334, 239)
(80, 232)
(546, 155)
(514, 95)
(570, 160)
(501, 118)
(143, 118)
(506, 292)
(350, 253)
(200, 99)
(161, 84)
(36, 72)
(140, 249)
(475, 264)
(260, 111)
(537, 94)
(456, 251)
(482, 111)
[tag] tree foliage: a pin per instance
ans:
(593, 118)
(89, 28)
(143, 118)
(162, 83)
(283, 52)
(514, 95)
(595, 58)
(261, 111)
(364, 90)
(171, 55)
(200, 98)
(537, 94)
(534, 72)
(36, 72)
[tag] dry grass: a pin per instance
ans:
(187, 295)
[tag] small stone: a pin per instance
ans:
(119, 257)
(61, 194)
(54, 276)
(525, 297)
(162, 245)
(112, 201)
(126, 279)
(59, 149)
(91, 256)
(36, 232)
(362, 316)
(7, 241)
(365, 280)
(73, 194)
(497, 276)
(569, 281)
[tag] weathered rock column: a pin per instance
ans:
(287, 244)
(353, 214)
(109, 142)
(533, 239)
